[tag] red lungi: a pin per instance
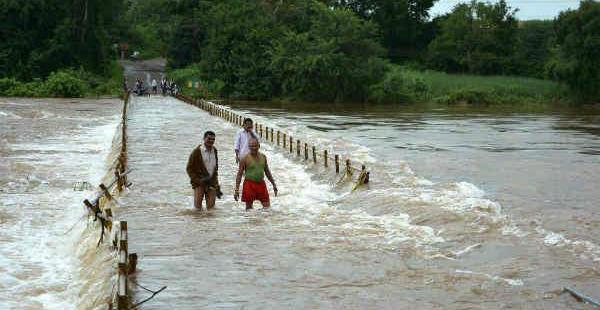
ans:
(255, 191)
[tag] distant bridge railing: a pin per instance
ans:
(287, 142)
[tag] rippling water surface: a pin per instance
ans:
(446, 236)
(48, 258)
(466, 209)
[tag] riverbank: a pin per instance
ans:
(67, 83)
(476, 89)
(402, 85)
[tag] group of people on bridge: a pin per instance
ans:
(167, 87)
(203, 166)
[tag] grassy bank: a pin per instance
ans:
(454, 88)
(67, 83)
(403, 85)
(408, 86)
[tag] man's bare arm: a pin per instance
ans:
(269, 176)
(238, 178)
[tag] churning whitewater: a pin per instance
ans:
(47, 148)
(401, 241)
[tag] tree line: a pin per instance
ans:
(59, 48)
(316, 50)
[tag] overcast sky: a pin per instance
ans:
(528, 9)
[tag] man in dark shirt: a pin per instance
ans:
(202, 168)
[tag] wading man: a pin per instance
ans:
(202, 168)
(242, 138)
(254, 166)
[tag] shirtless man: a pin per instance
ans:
(254, 167)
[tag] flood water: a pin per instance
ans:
(466, 209)
(438, 232)
(48, 255)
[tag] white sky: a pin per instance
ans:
(528, 9)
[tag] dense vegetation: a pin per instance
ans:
(48, 44)
(316, 50)
(576, 60)
(361, 50)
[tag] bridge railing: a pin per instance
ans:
(100, 208)
(288, 143)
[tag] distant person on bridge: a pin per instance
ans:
(154, 86)
(202, 168)
(254, 167)
(242, 139)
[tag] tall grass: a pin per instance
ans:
(498, 89)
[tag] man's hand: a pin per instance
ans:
(205, 180)
(236, 195)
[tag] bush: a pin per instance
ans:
(113, 85)
(6, 84)
(12, 88)
(399, 86)
(65, 83)
(33, 89)
(193, 73)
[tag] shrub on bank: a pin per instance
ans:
(12, 88)
(113, 86)
(6, 84)
(31, 89)
(65, 83)
(399, 85)
(193, 74)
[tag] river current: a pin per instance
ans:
(465, 209)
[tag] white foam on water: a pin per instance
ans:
(316, 204)
(9, 115)
(511, 282)
(466, 250)
(582, 248)
(461, 198)
(40, 260)
(14, 103)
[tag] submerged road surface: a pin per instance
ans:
(402, 242)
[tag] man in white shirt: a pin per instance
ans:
(154, 86)
(242, 139)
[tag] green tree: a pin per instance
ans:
(188, 35)
(476, 38)
(46, 35)
(577, 58)
(333, 59)
(402, 23)
(534, 41)
(239, 36)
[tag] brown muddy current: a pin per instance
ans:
(468, 209)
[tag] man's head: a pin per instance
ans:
(253, 145)
(209, 139)
(248, 124)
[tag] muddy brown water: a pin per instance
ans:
(466, 209)
(425, 233)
